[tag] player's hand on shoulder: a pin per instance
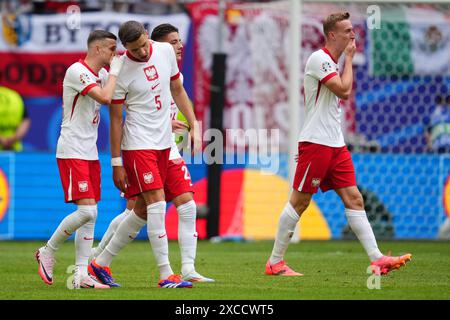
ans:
(116, 65)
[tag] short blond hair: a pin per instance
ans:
(330, 22)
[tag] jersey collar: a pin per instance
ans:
(328, 53)
(89, 68)
(136, 60)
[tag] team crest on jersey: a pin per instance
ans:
(84, 78)
(326, 66)
(83, 186)
(315, 182)
(148, 177)
(151, 73)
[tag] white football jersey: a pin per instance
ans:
(81, 113)
(322, 111)
(144, 88)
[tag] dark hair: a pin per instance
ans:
(130, 31)
(162, 30)
(100, 35)
(332, 19)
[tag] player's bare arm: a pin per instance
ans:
(342, 85)
(179, 126)
(104, 95)
(181, 99)
(119, 174)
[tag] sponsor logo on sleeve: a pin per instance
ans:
(326, 67)
(84, 78)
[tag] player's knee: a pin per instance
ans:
(187, 211)
(183, 198)
(140, 209)
(87, 213)
(300, 205)
(355, 201)
(300, 201)
(157, 208)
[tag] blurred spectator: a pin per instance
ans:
(91, 5)
(358, 143)
(157, 7)
(154, 7)
(437, 131)
(37, 6)
(121, 6)
(16, 6)
(59, 6)
(52, 6)
(14, 120)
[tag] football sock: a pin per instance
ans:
(110, 232)
(357, 219)
(156, 231)
(84, 237)
(125, 233)
(69, 225)
(187, 235)
(286, 226)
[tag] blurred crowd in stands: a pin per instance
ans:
(156, 7)
(60, 6)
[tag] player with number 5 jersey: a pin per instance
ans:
(178, 187)
(149, 80)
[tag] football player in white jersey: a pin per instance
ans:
(323, 158)
(148, 82)
(178, 185)
(86, 86)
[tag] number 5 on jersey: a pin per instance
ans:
(158, 102)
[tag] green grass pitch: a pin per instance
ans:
(333, 270)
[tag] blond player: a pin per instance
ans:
(323, 158)
(86, 86)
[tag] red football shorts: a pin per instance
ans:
(321, 166)
(178, 180)
(80, 179)
(146, 170)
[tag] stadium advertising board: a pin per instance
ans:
(6, 192)
(250, 201)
